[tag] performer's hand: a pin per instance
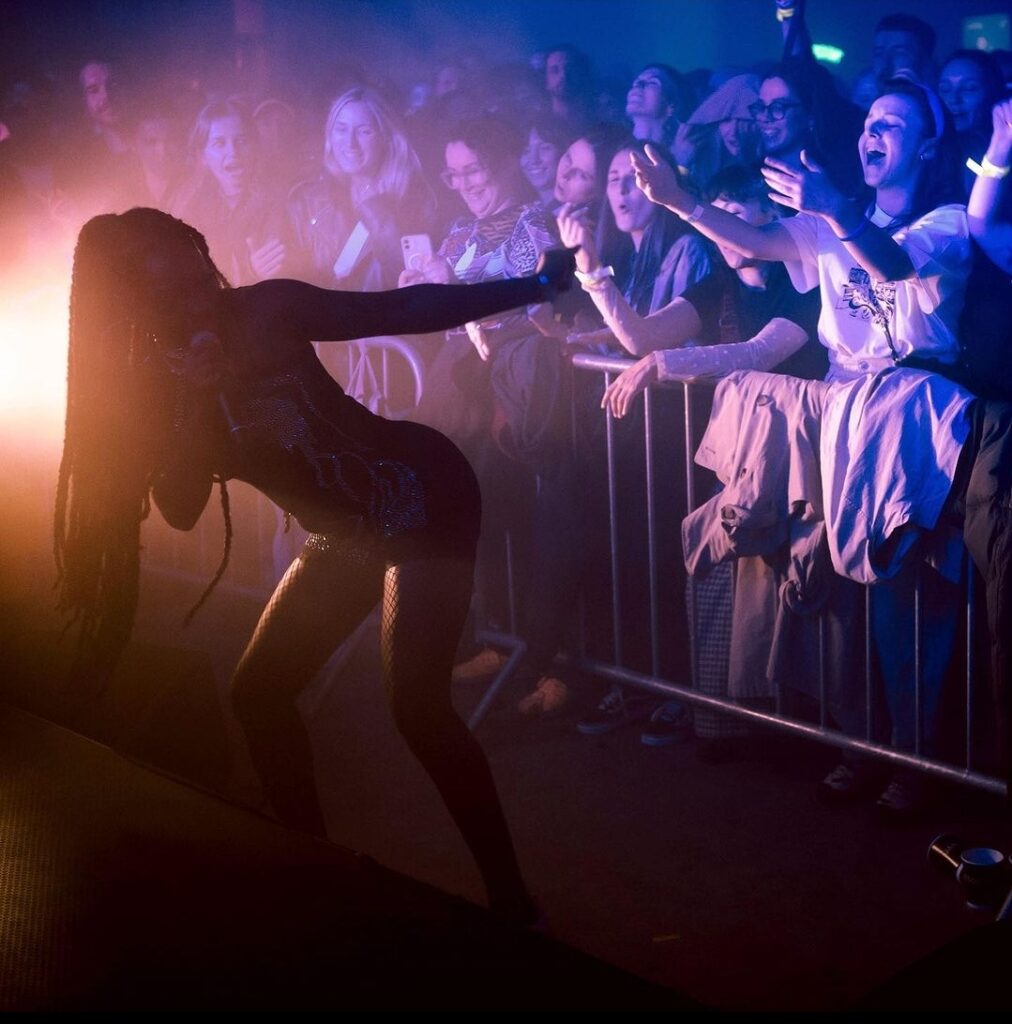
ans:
(204, 362)
(628, 384)
(555, 271)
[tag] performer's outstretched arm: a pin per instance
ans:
(323, 315)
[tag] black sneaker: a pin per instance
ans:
(669, 723)
(614, 711)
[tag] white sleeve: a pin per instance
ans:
(804, 230)
(938, 245)
(772, 345)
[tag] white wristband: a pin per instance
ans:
(594, 278)
(695, 215)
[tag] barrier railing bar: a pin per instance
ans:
(918, 667)
(971, 597)
(823, 710)
(616, 598)
(829, 736)
(867, 664)
(648, 442)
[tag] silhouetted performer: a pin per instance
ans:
(175, 381)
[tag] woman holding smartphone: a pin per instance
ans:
(348, 224)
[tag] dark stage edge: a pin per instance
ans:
(124, 889)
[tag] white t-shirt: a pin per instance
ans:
(921, 313)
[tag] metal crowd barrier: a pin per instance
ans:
(615, 670)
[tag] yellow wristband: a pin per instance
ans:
(986, 169)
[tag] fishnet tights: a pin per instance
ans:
(319, 602)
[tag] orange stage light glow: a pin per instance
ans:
(33, 356)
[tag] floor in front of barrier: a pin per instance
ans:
(728, 883)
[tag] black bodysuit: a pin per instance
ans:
(338, 468)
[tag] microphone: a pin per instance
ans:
(198, 341)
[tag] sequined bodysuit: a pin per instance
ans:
(341, 470)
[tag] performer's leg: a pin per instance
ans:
(425, 602)
(319, 602)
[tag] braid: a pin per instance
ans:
(226, 511)
(119, 413)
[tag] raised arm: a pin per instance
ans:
(659, 180)
(669, 327)
(322, 315)
(985, 196)
(810, 190)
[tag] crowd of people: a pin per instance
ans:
(835, 254)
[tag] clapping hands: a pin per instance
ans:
(807, 189)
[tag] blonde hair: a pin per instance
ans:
(398, 161)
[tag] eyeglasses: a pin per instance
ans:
(775, 111)
(454, 179)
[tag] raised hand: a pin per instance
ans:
(575, 232)
(658, 180)
(1001, 134)
(807, 190)
(619, 394)
(267, 259)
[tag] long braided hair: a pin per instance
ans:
(121, 414)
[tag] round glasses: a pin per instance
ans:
(775, 111)
(455, 179)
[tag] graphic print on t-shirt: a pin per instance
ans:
(870, 301)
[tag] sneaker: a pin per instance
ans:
(903, 799)
(483, 666)
(849, 780)
(669, 723)
(614, 711)
(548, 698)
